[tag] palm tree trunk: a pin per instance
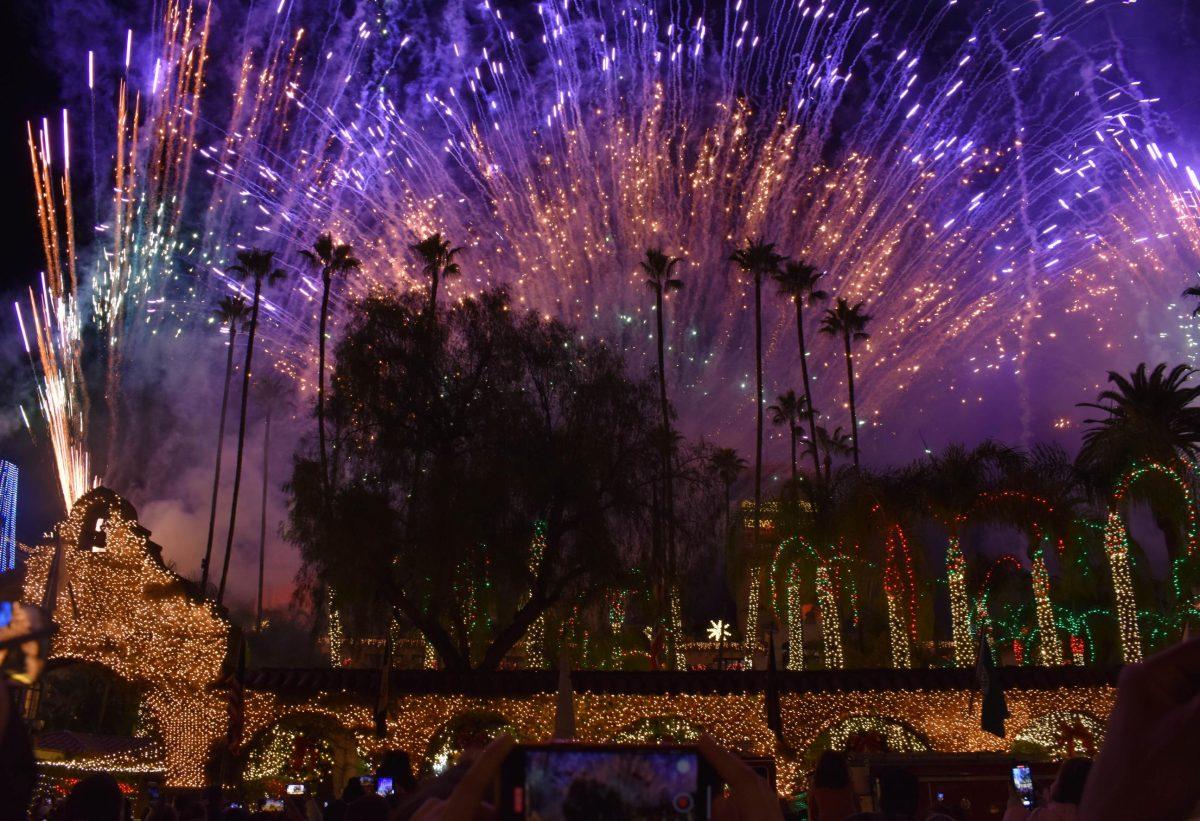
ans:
(241, 448)
(758, 442)
(850, 389)
(262, 524)
(669, 502)
(212, 513)
(795, 477)
(808, 403)
(328, 282)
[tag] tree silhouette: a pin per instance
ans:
(850, 323)
(438, 265)
(259, 267)
(331, 259)
(787, 410)
(759, 260)
(798, 280)
(728, 465)
(659, 269)
(230, 311)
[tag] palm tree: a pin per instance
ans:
(438, 264)
(1194, 293)
(659, 268)
(272, 390)
(759, 260)
(951, 484)
(831, 443)
(728, 466)
(798, 280)
(256, 265)
(331, 259)
(1149, 417)
(850, 323)
(230, 311)
(787, 410)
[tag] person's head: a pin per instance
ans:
(162, 812)
(370, 807)
(95, 798)
(591, 800)
(899, 792)
(832, 770)
(353, 791)
(397, 766)
(1072, 777)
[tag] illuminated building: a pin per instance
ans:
(118, 606)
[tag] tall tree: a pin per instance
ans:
(830, 444)
(258, 266)
(758, 260)
(331, 259)
(728, 465)
(230, 311)
(951, 484)
(1147, 417)
(850, 323)
(438, 264)
(659, 269)
(787, 410)
(798, 280)
(527, 424)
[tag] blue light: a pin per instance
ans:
(8, 516)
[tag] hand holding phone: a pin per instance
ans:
(1022, 779)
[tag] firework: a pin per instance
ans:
(965, 186)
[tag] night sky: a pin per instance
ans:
(1161, 42)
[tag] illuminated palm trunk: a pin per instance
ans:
(751, 636)
(898, 632)
(901, 618)
(831, 632)
(960, 603)
(676, 644)
(535, 639)
(795, 625)
(616, 622)
(1116, 546)
(1049, 648)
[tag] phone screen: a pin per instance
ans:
(6, 613)
(295, 789)
(272, 805)
(639, 784)
(384, 785)
(1023, 783)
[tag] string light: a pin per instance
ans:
(118, 606)
(535, 639)
(831, 632)
(8, 516)
(960, 603)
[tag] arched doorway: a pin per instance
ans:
(1058, 735)
(472, 729)
(301, 748)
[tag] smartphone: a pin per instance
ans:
(367, 782)
(1023, 783)
(295, 789)
(272, 805)
(6, 613)
(384, 785)
(555, 782)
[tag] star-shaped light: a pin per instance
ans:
(718, 630)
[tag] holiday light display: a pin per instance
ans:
(960, 602)
(831, 628)
(116, 605)
(900, 588)
(1116, 547)
(535, 639)
(1049, 646)
(8, 516)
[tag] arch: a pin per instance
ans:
(961, 612)
(473, 727)
(865, 732)
(1060, 734)
(304, 745)
(900, 590)
(790, 553)
(1116, 547)
(668, 729)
